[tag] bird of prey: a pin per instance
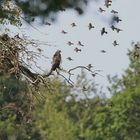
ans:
(115, 43)
(69, 58)
(73, 24)
(80, 44)
(103, 31)
(70, 43)
(117, 19)
(108, 3)
(64, 32)
(56, 60)
(77, 50)
(101, 10)
(47, 23)
(114, 12)
(90, 26)
(103, 51)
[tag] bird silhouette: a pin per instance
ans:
(108, 3)
(70, 43)
(118, 30)
(103, 51)
(117, 19)
(69, 58)
(115, 43)
(89, 66)
(90, 26)
(73, 24)
(103, 31)
(80, 44)
(113, 27)
(101, 10)
(114, 12)
(56, 60)
(47, 23)
(64, 32)
(77, 50)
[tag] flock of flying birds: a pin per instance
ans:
(116, 19)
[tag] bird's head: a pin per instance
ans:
(58, 51)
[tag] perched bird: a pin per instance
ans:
(103, 31)
(114, 12)
(117, 19)
(90, 26)
(69, 58)
(77, 50)
(73, 24)
(115, 43)
(108, 3)
(80, 44)
(47, 23)
(101, 10)
(64, 32)
(56, 60)
(70, 43)
(103, 51)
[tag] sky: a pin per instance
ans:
(114, 61)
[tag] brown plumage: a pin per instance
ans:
(108, 3)
(56, 60)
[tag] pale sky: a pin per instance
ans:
(114, 61)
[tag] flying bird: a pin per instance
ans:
(73, 24)
(101, 10)
(70, 43)
(108, 3)
(64, 32)
(80, 44)
(90, 26)
(115, 43)
(47, 23)
(103, 51)
(69, 58)
(117, 19)
(113, 27)
(77, 50)
(103, 31)
(118, 30)
(114, 12)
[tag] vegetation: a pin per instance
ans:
(40, 107)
